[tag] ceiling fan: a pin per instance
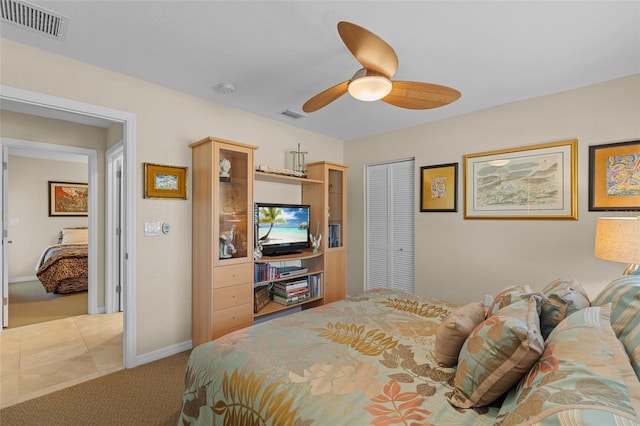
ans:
(373, 82)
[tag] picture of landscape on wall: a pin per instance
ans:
(529, 182)
(68, 199)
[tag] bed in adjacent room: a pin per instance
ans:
(64, 267)
(387, 357)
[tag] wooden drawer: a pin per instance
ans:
(226, 297)
(224, 276)
(227, 320)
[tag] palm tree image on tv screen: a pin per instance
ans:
(282, 228)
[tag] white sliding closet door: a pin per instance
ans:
(390, 225)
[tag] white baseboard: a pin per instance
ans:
(22, 279)
(163, 353)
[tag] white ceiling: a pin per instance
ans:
(278, 54)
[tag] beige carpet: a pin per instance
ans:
(29, 303)
(147, 395)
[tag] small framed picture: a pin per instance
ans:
(530, 182)
(68, 199)
(614, 176)
(439, 188)
(165, 181)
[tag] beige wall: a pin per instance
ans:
(460, 260)
(167, 121)
(28, 204)
(114, 134)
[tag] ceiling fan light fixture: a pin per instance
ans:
(367, 85)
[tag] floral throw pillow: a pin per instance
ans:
(583, 377)
(509, 295)
(564, 297)
(497, 354)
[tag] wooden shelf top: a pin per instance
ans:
(272, 177)
(306, 254)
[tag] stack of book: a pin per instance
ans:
(264, 272)
(290, 292)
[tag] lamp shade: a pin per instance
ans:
(618, 239)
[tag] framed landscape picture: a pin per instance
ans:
(165, 181)
(531, 182)
(614, 176)
(68, 199)
(439, 188)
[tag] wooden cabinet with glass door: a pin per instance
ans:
(222, 223)
(329, 209)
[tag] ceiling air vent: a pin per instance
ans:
(34, 18)
(291, 114)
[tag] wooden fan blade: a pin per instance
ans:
(369, 49)
(326, 97)
(416, 95)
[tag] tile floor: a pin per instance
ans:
(42, 358)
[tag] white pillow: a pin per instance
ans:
(75, 236)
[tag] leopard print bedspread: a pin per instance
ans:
(64, 263)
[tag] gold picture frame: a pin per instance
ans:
(439, 188)
(68, 199)
(165, 181)
(530, 182)
(614, 176)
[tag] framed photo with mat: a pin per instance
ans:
(614, 176)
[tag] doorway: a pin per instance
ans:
(33, 229)
(54, 107)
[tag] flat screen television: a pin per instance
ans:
(281, 228)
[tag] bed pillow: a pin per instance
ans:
(583, 377)
(497, 354)
(564, 297)
(454, 330)
(509, 295)
(75, 236)
(624, 295)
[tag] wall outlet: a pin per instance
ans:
(488, 300)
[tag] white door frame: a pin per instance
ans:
(115, 258)
(4, 318)
(129, 207)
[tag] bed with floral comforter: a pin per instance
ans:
(543, 358)
(364, 360)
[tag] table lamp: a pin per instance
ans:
(618, 240)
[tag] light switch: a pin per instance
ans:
(152, 229)
(14, 221)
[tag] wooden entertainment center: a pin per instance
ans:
(224, 271)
